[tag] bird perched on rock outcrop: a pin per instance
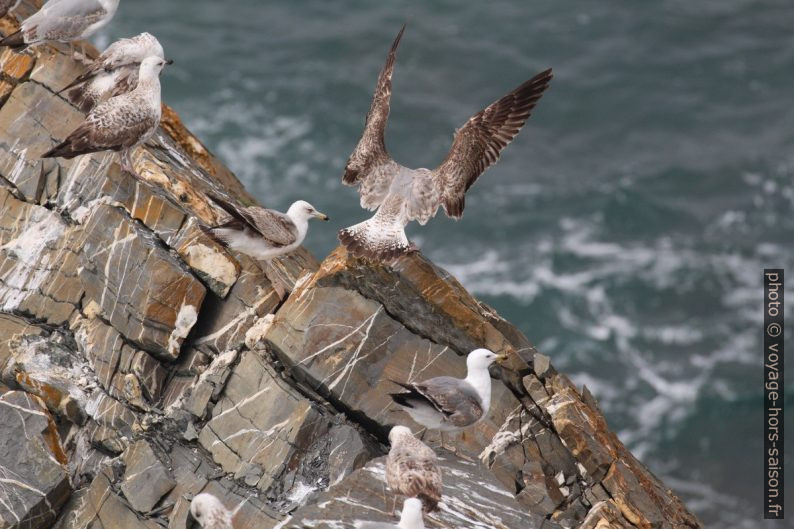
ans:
(400, 194)
(412, 469)
(410, 518)
(113, 73)
(63, 21)
(263, 233)
(451, 404)
(8, 5)
(209, 513)
(121, 123)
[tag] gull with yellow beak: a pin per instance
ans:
(451, 404)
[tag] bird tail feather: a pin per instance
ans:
(376, 240)
(60, 150)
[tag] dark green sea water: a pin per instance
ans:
(625, 230)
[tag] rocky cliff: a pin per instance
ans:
(142, 363)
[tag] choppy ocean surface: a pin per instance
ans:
(625, 231)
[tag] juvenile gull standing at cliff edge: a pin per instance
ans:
(401, 194)
(451, 404)
(412, 468)
(121, 123)
(63, 21)
(264, 233)
(209, 513)
(113, 73)
(411, 518)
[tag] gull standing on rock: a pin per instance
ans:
(121, 123)
(451, 404)
(264, 233)
(63, 21)
(411, 518)
(209, 513)
(400, 194)
(412, 468)
(8, 5)
(113, 73)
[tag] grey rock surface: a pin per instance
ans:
(163, 365)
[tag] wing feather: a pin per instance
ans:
(116, 124)
(370, 153)
(478, 144)
(412, 470)
(63, 19)
(446, 394)
(274, 226)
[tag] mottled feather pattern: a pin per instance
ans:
(370, 153)
(381, 237)
(374, 189)
(115, 71)
(119, 123)
(103, 86)
(69, 28)
(417, 194)
(412, 470)
(478, 144)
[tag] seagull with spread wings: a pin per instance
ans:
(400, 194)
(113, 73)
(63, 21)
(263, 233)
(121, 123)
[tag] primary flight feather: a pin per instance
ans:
(400, 194)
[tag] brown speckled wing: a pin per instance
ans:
(480, 141)
(452, 397)
(273, 226)
(412, 470)
(370, 153)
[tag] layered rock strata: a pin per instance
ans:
(143, 363)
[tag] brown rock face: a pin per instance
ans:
(145, 363)
(32, 462)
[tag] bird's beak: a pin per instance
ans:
(322, 216)
(501, 358)
(169, 62)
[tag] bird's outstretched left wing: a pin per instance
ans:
(480, 141)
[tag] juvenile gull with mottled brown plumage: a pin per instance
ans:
(412, 469)
(63, 21)
(113, 73)
(121, 123)
(400, 194)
